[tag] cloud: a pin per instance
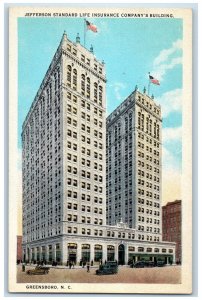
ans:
(169, 160)
(161, 70)
(118, 87)
(165, 53)
(171, 148)
(170, 101)
(103, 27)
(165, 60)
(171, 134)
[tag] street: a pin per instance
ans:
(167, 274)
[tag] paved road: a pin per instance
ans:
(168, 274)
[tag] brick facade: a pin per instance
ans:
(171, 223)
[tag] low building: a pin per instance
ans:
(19, 248)
(171, 223)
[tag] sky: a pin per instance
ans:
(130, 49)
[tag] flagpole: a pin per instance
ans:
(149, 84)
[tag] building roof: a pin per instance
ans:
(172, 203)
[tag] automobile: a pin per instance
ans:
(138, 264)
(149, 264)
(160, 263)
(39, 270)
(110, 267)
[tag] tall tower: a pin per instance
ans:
(134, 165)
(63, 167)
(63, 156)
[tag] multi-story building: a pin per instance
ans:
(19, 248)
(171, 226)
(134, 165)
(63, 166)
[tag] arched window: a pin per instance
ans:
(98, 252)
(100, 94)
(126, 123)
(110, 253)
(157, 131)
(83, 84)
(69, 75)
(88, 87)
(58, 71)
(85, 252)
(95, 92)
(57, 79)
(74, 79)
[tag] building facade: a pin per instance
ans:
(64, 168)
(134, 166)
(171, 225)
(19, 248)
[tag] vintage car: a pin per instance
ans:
(138, 264)
(39, 270)
(149, 264)
(111, 267)
(160, 263)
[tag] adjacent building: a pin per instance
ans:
(19, 248)
(134, 166)
(171, 221)
(64, 170)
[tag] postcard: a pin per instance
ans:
(100, 159)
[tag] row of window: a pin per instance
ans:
(84, 219)
(84, 59)
(148, 167)
(84, 197)
(149, 229)
(148, 105)
(148, 203)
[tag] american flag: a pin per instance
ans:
(154, 80)
(91, 26)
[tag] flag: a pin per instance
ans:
(154, 80)
(91, 26)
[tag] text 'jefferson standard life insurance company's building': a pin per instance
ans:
(67, 213)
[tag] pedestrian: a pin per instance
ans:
(88, 267)
(23, 267)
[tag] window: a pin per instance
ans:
(74, 110)
(69, 70)
(88, 91)
(83, 84)
(74, 99)
(74, 80)
(88, 118)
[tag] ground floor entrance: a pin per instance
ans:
(98, 252)
(121, 255)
